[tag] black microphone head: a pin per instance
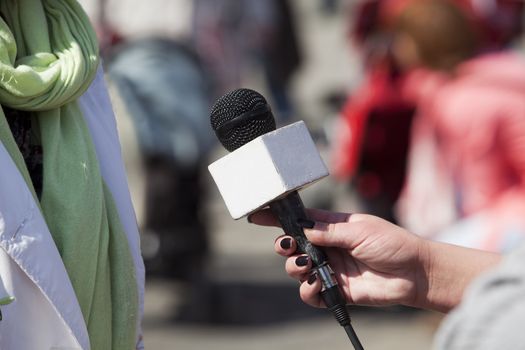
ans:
(241, 116)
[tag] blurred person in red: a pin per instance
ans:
(372, 136)
(465, 180)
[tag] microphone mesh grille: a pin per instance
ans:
(233, 105)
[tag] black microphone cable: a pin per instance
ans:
(353, 337)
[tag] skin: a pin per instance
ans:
(378, 263)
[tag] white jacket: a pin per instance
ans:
(45, 313)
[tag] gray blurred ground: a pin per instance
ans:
(247, 301)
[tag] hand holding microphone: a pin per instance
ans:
(377, 263)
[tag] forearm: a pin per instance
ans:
(447, 271)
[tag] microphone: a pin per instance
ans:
(267, 167)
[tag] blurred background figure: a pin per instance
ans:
(167, 93)
(430, 59)
(233, 37)
(371, 143)
(465, 181)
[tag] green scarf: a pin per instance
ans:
(48, 58)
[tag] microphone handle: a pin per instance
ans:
(292, 216)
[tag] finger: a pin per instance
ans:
(342, 234)
(263, 217)
(309, 291)
(285, 245)
(327, 216)
(297, 266)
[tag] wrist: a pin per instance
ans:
(424, 273)
(446, 271)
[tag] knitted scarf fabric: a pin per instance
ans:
(48, 58)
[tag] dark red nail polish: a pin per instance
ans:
(286, 243)
(312, 278)
(301, 260)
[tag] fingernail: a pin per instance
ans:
(301, 260)
(286, 243)
(312, 278)
(305, 223)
